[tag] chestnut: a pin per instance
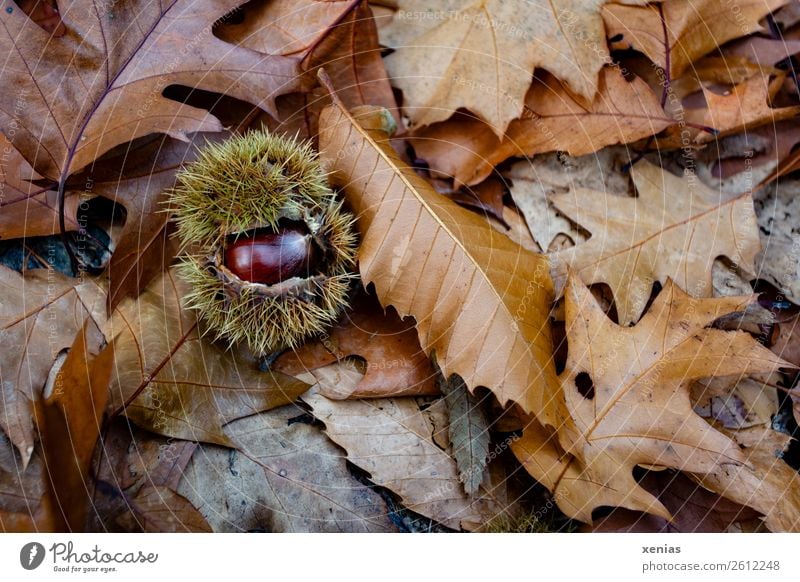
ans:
(271, 257)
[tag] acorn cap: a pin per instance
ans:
(259, 181)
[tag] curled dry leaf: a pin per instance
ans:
(693, 28)
(170, 380)
(622, 111)
(395, 364)
(101, 83)
(675, 228)
(626, 402)
(31, 303)
(287, 477)
(480, 55)
(481, 301)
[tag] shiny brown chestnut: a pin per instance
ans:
(271, 257)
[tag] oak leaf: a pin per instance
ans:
(480, 300)
(480, 55)
(101, 83)
(623, 111)
(693, 28)
(626, 401)
(675, 228)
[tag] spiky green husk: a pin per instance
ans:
(249, 182)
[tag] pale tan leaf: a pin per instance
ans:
(480, 300)
(675, 228)
(392, 440)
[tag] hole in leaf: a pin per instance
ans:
(584, 384)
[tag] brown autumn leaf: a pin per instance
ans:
(136, 175)
(480, 300)
(24, 503)
(693, 28)
(101, 84)
(626, 402)
(40, 315)
(349, 52)
(764, 482)
(69, 420)
(623, 111)
(480, 55)
(170, 380)
(392, 440)
(745, 106)
(674, 228)
(536, 180)
(286, 477)
(693, 508)
(158, 509)
(395, 364)
(28, 210)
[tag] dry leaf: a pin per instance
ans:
(480, 55)
(29, 210)
(737, 402)
(288, 477)
(535, 180)
(350, 53)
(745, 106)
(70, 420)
(158, 509)
(693, 28)
(480, 301)
(764, 482)
(395, 364)
(40, 315)
(392, 440)
(694, 510)
(101, 83)
(468, 428)
(779, 262)
(170, 380)
(623, 111)
(626, 401)
(675, 228)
